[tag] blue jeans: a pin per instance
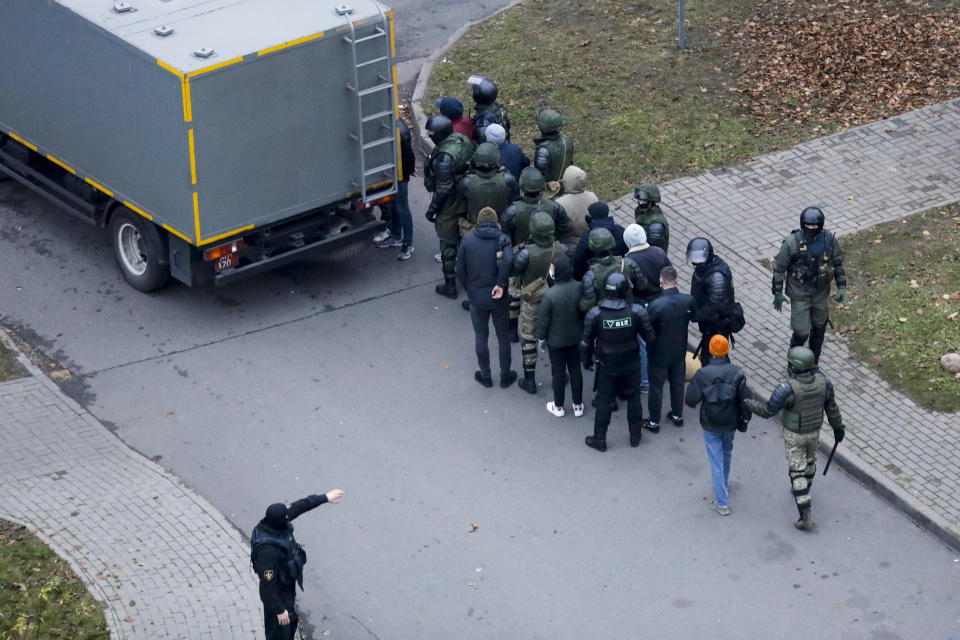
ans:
(719, 451)
(401, 225)
(644, 376)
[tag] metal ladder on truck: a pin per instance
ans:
(386, 132)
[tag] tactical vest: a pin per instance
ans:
(617, 334)
(294, 557)
(525, 210)
(460, 150)
(603, 267)
(561, 156)
(806, 414)
(487, 189)
(812, 264)
(540, 260)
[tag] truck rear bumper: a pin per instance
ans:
(265, 264)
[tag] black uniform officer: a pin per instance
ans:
(278, 561)
(713, 295)
(610, 330)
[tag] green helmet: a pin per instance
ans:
(648, 192)
(601, 241)
(800, 359)
(487, 156)
(542, 228)
(549, 121)
(531, 180)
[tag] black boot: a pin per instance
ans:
(448, 289)
(485, 380)
(805, 523)
(817, 335)
(635, 434)
(466, 305)
(514, 330)
(600, 444)
(507, 379)
(529, 382)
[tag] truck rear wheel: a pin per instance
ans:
(140, 251)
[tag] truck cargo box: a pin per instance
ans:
(208, 117)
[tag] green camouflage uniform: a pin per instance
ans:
(650, 214)
(531, 266)
(809, 268)
(453, 207)
(554, 152)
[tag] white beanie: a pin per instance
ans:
(495, 134)
(634, 236)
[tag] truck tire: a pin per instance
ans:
(140, 250)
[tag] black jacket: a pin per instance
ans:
(669, 316)
(559, 320)
(277, 588)
(513, 159)
(484, 260)
(407, 158)
(719, 380)
(582, 254)
(605, 328)
(650, 261)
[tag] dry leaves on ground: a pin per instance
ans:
(845, 63)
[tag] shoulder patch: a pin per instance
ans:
(268, 575)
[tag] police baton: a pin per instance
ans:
(830, 459)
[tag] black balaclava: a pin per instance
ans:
(276, 516)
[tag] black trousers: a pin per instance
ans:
(481, 328)
(563, 360)
(707, 331)
(276, 631)
(675, 374)
(618, 374)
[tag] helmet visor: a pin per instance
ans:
(697, 255)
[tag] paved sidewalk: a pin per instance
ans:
(162, 561)
(861, 177)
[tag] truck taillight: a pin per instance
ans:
(224, 249)
(359, 206)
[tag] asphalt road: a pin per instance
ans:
(358, 376)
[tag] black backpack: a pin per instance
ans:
(720, 404)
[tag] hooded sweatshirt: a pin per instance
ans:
(575, 200)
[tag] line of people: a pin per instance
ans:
(540, 256)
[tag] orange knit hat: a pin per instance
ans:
(719, 347)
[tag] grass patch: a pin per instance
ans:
(905, 311)
(40, 597)
(638, 108)
(10, 368)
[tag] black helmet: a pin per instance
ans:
(439, 128)
(616, 286)
(484, 90)
(811, 215)
(800, 359)
(699, 251)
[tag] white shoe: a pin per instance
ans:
(555, 410)
(577, 410)
(406, 253)
(383, 235)
(437, 257)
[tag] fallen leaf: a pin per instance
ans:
(74, 514)
(584, 43)
(955, 295)
(919, 312)
(953, 316)
(925, 232)
(18, 586)
(902, 319)
(446, 366)
(914, 284)
(474, 526)
(691, 164)
(128, 619)
(849, 197)
(878, 240)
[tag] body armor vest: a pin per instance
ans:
(460, 150)
(487, 189)
(540, 260)
(812, 265)
(294, 557)
(561, 156)
(603, 267)
(617, 334)
(525, 210)
(806, 414)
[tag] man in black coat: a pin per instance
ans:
(669, 315)
(712, 291)
(560, 325)
(598, 217)
(278, 561)
(483, 265)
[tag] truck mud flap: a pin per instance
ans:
(266, 264)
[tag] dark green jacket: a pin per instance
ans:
(559, 320)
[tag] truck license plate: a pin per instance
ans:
(226, 262)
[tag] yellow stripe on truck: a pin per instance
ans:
(175, 72)
(99, 187)
(137, 209)
(292, 43)
(393, 41)
(193, 157)
(196, 217)
(228, 234)
(177, 233)
(214, 67)
(61, 164)
(32, 147)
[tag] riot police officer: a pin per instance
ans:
(810, 258)
(604, 262)
(445, 166)
(649, 215)
(486, 109)
(712, 289)
(554, 149)
(610, 332)
(278, 561)
(516, 224)
(531, 266)
(803, 398)
(486, 184)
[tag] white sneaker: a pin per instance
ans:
(405, 253)
(383, 235)
(577, 410)
(437, 257)
(555, 410)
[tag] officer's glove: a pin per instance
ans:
(742, 428)
(841, 294)
(778, 301)
(431, 214)
(838, 434)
